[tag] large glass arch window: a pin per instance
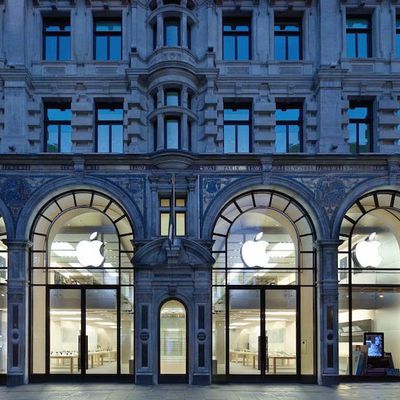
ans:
(263, 287)
(369, 283)
(3, 298)
(82, 287)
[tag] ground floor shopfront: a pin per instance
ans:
(263, 278)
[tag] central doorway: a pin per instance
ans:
(173, 343)
(262, 339)
(84, 331)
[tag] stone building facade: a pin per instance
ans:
(181, 72)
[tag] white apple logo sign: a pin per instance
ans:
(367, 252)
(89, 252)
(254, 252)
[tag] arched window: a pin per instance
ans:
(82, 286)
(3, 298)
(263, 286)
(369, 279)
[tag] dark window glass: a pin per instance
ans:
(398, 36)
(172, 32)
(358, 37)
(236, 39)
(166, 210)
(288, 129)
(58, 132)
(109, 127)
(237, 128)
(288, 38)
(56, 39)
(172, 97)
(360, 127)
(154, 31)
(172, 133)
(107, 40)
(189, 36)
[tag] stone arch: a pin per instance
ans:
(8, 220)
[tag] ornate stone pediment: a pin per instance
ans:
(185, 253)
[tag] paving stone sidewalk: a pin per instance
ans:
(362, 391)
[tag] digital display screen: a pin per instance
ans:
(374, 343)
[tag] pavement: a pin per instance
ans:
(362, 391)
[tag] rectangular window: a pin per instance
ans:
(172, 97)
(236, 39)
(109, 128)
(288, 128)
(107, 39)
(56, 39)
(172, 133)
(180, 215)
(287, 39)
(398, 36)
(360, 126)
(172, 32)
(237, 127)
(57, 126)
(358, 36)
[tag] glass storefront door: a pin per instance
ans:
(83, 331)
(262, 336)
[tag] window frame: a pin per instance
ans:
(286, 34)
(57, 34)
(177, 20)
(235, 106)
(109, 123)
(282, 105)
(357, 31)
(47, 122)
(369, 120)
(107, 34)
(164, 210)
(234, 22)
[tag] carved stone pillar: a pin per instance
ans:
(17, 317)
(327, 288)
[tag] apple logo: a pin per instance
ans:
(89, 253)
(254, 252)
(367, 252)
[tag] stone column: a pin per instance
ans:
(160, 31)
(184, 42)
(327, 309)
(17, 317)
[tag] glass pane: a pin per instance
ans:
(103, 138)
(59, 114)
(280, 48)
(39, 328)
(173, 338)
(127, 331)
(101, 48)
(280, 139)
(244, 332)
(397, 45)
(108, 26)
(115, 48)
(52, 138)
(351, 45)
(117, 143)
(307, 330)
(287, 114)
(363, 138)
(243, 139)
(65, 331)
(110, 114)
(229, 48)
(362, 45)
(172, 139)
(65, 48)
(50, 48)
(294, 139)
(294, 48)
(180, 224)
(101, 331)
(164, 224)
(237, 114)
(3, 328)
(229, 139)
(357, 23)
(172, 98)
(344, 330)
(281, 331)
(352, 130)
(243, 48)
(66, 139)
(171, 33)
